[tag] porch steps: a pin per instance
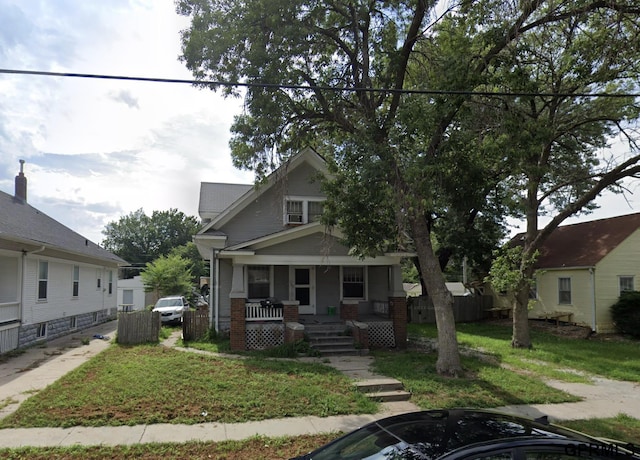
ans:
(329, 339)
(383, 390)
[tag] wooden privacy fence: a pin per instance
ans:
(195, 324)
(138, 327)
(465, 308)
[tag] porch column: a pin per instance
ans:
(238, 333)
(398, 307)
(349, 310)
(398, 313)
(290, 311)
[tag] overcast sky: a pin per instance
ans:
(97, 150)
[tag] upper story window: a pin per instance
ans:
(43, 279)
(300, 211)
(564, 290)
(76, 281)
(98, 278)
(110, 285)
(625, 283)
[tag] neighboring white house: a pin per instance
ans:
(53, 281)
(131, 295)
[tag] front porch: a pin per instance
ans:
(370, 324)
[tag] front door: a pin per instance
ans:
(304, 289)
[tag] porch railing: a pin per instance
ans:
(9, 311)
(381, 307)
(254, 311)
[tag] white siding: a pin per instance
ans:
(60, 302)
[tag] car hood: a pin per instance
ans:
(168, 309)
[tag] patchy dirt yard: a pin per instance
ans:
(570, 331)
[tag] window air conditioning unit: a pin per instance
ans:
(294, 219)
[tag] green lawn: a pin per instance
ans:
(551, 356)
(152, 384)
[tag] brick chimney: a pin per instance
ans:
(21, 184)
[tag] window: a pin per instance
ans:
(295, 215)
(110, 289)
(76, 281)
(625, 283)
(353, 282)
(564, 290)
(315, 210)
(73, 322)
(41, 331)
(43, 279)
(301, 211)
(98, 278)
(258, 281)
(94, 317)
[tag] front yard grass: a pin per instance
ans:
(153, 384)
(552, 356)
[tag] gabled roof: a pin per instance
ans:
(22, 223)
(306, 156)
(216, 197)
(587, 243)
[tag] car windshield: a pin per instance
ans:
(169, 303)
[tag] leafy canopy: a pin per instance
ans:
(167, 275)
(139, 238)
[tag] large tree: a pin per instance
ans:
(139, 238)
(294, 54)
(556, 137)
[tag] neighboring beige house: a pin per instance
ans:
(583, 268)
(275, 271)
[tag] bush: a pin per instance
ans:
(626, 313)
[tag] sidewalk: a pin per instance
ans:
(604, 398)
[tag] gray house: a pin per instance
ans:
(53, 281)
(276, 271)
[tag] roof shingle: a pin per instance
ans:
(20, 221)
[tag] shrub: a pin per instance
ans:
(626, 313)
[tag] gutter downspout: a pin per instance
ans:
(592, 272)
(214, 284)
(23, 277)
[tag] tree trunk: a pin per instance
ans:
(521, 337)
(448, 362)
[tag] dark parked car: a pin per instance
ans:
(468, 434)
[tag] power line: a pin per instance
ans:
(215, 84)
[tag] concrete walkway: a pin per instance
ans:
(33, 370)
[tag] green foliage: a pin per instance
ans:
(167, 275)
(197, 265)
(409, 272)
(139, 238)
(505, 274)
(626, 313)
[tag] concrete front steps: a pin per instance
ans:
(331, 340)
(383, 390)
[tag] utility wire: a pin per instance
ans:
(215, 84)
